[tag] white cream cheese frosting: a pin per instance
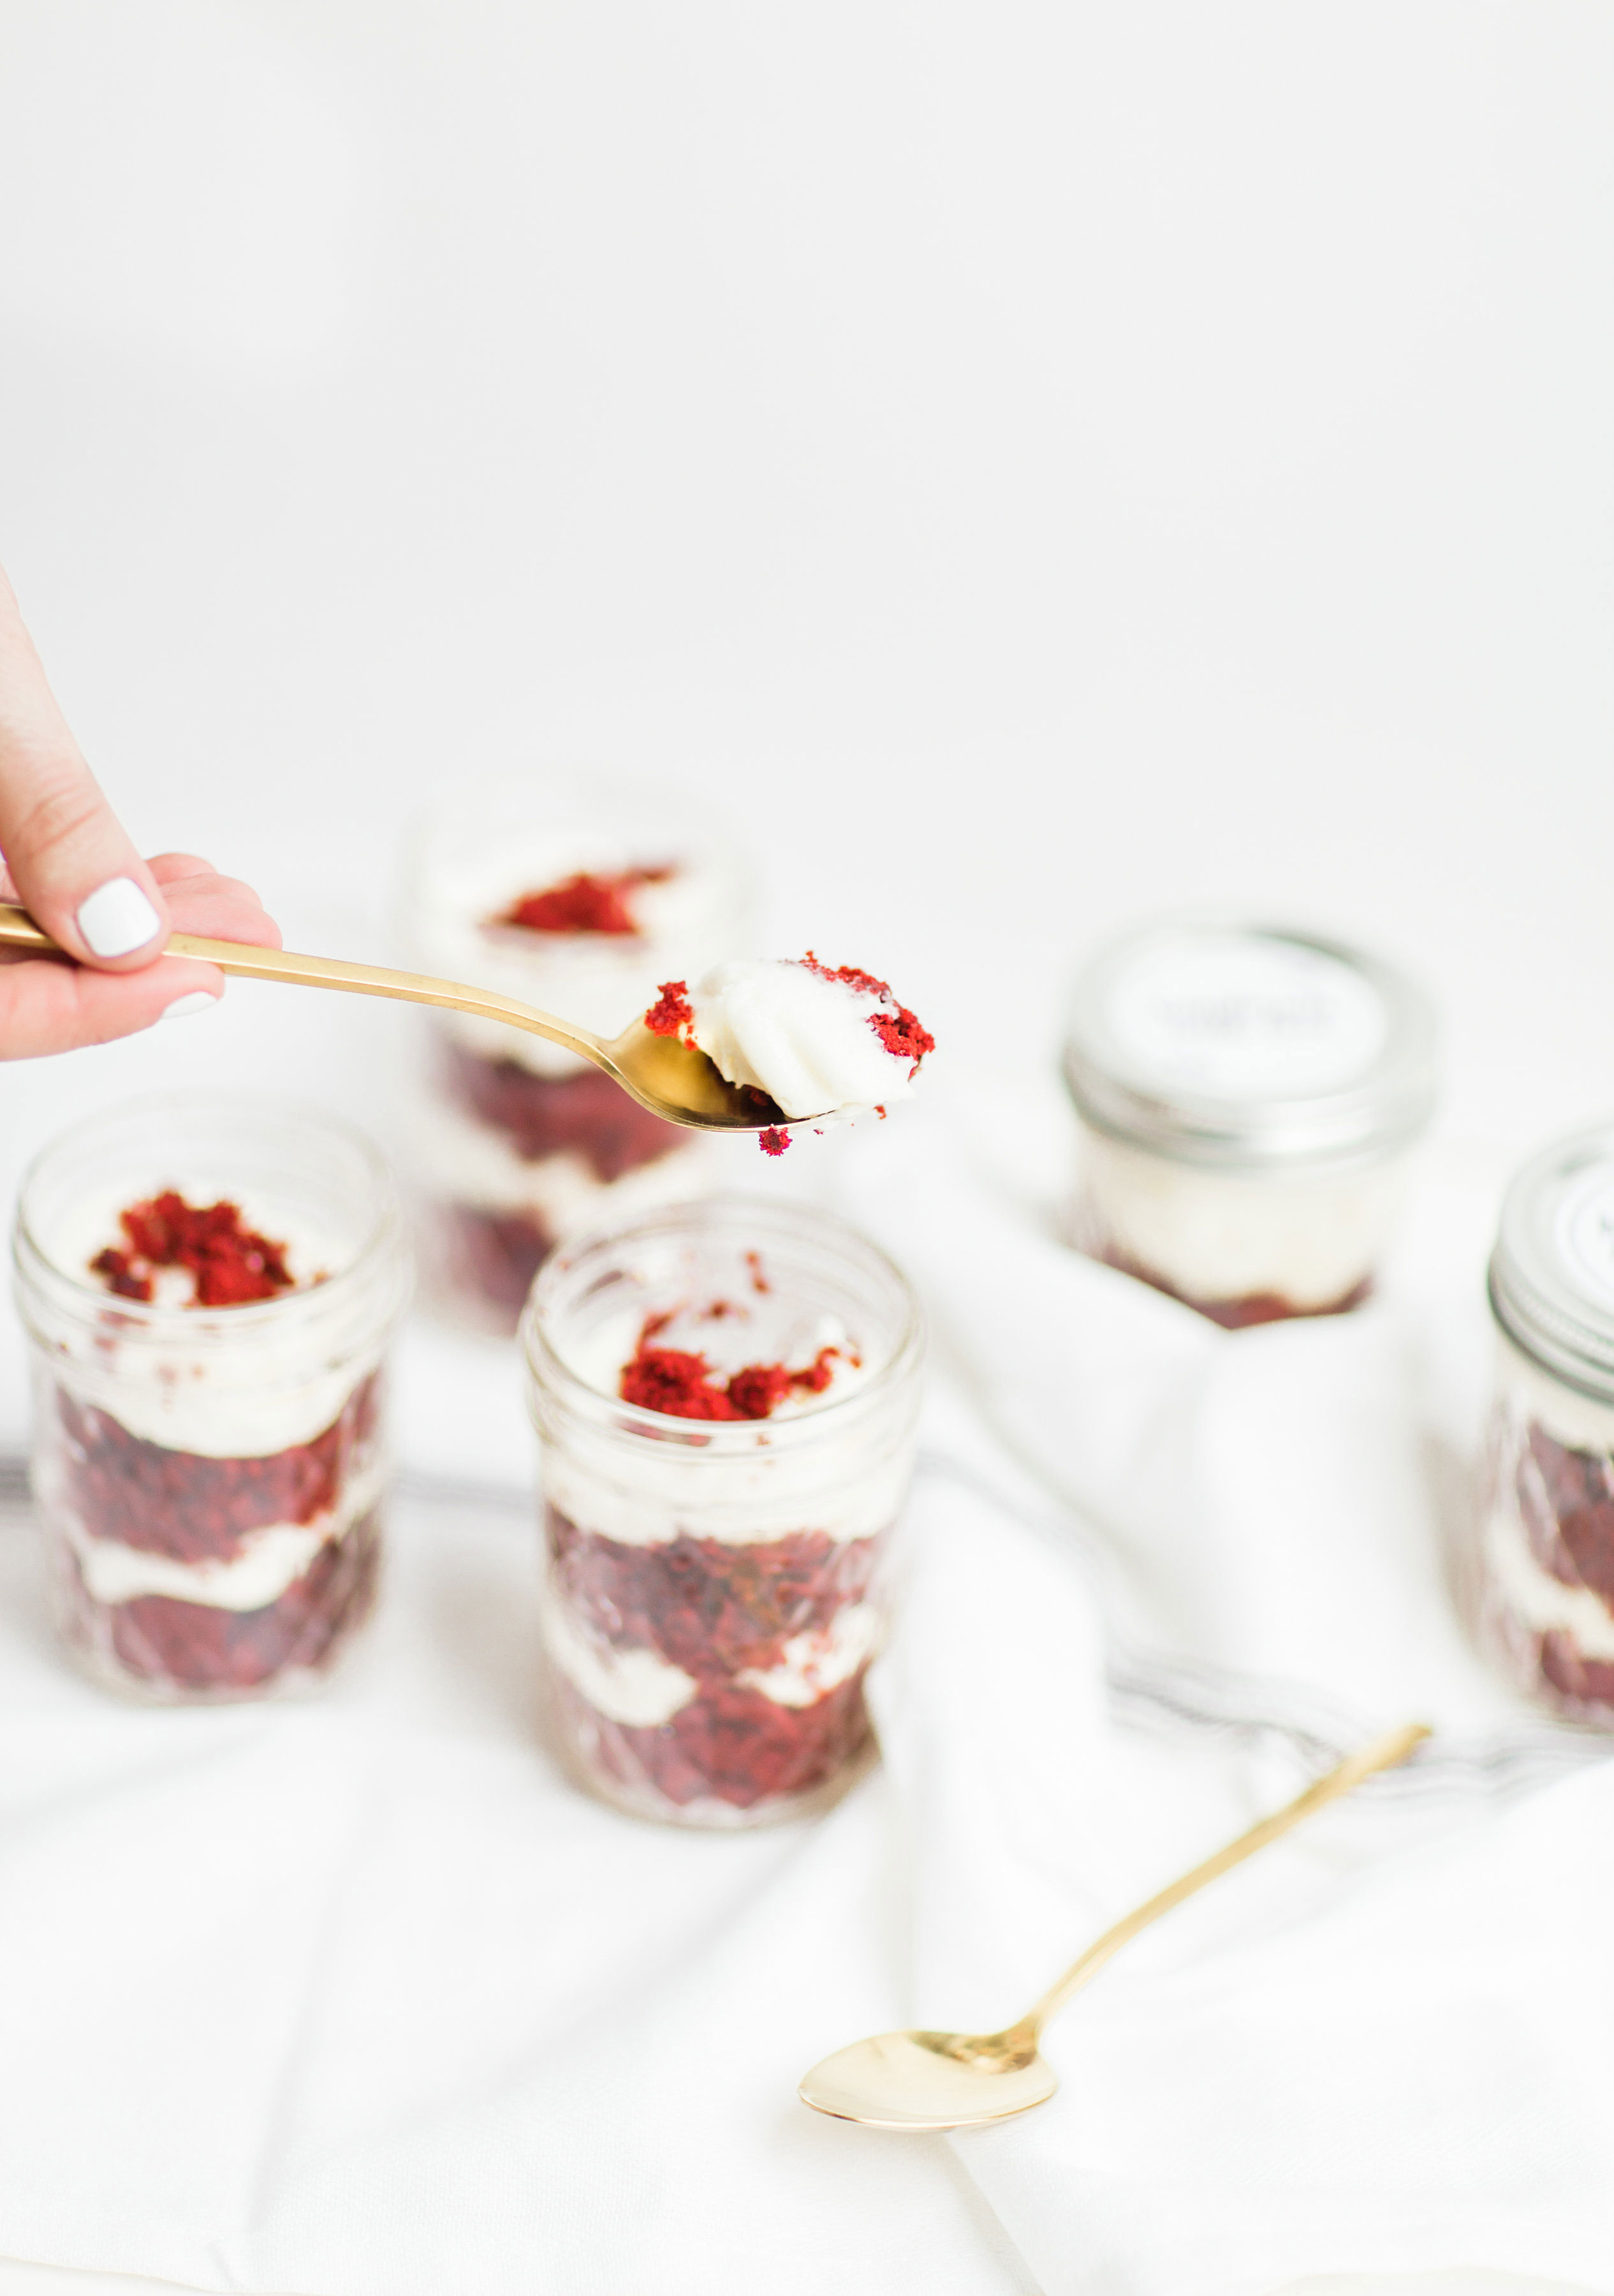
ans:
(686, 919)
(1308, 1239)
(747, 1500)
(250, 1383)
(269, 1559)
(800, 1034)
(743, 1483)
(812, 1665)
(636, 1687)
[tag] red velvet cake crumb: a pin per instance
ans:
(119, 1269)
(585, 902)
(193, 1508)
(671, 1012)
(680, 1383)
(773, 1141)
(853, 975)
(1566, 1500)
(1232, 1315)
(730, 1744)
(672, 1381)
(718, 1611)
(229, 1264)
(818, 1373)
(1566, 1505)
(757, 1390)
(544, 1116)
(902, 1032)
(196, 1646)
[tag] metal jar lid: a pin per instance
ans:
(1250, 1046)
(1551, 1277)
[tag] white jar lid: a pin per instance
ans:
(1244, 1044)
(1551, 1277)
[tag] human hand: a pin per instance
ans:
(67, 860)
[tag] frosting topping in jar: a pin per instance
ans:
(580, 910)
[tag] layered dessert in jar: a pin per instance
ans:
(1541, 1581)
(1249, 1096)
(517, 1144)
(210, 1286)
(726, 1395)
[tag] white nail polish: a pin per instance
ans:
(117, 918)
(200, 1000)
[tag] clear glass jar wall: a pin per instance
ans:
(1249, 1096)
(209, 1476)
(1540, 1585)
(715, 1590)
(583, 909)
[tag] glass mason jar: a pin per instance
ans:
(583, 909)
(1540, 1585)
(1248, 1097)
(209, 1476)
(715, 1589)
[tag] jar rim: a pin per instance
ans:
(746, 1217)
(1544, 1292)
(1379, 1105)
(34, 1264)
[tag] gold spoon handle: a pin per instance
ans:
(1383, 1754)
(19, 930)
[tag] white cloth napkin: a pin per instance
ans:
(1376, 2048)
(358, 1998)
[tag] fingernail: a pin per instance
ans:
(200, 1000)
(117, 918)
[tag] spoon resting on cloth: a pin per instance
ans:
(669, 1078)
(918, 2081)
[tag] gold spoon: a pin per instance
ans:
(958, 2080)
(671, 1078)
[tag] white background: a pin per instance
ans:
(1037, 461)
(1034, 463)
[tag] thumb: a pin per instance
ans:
(69, 857)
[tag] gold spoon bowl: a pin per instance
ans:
(927, 2081)
(671, 1078)
(922, 2080)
